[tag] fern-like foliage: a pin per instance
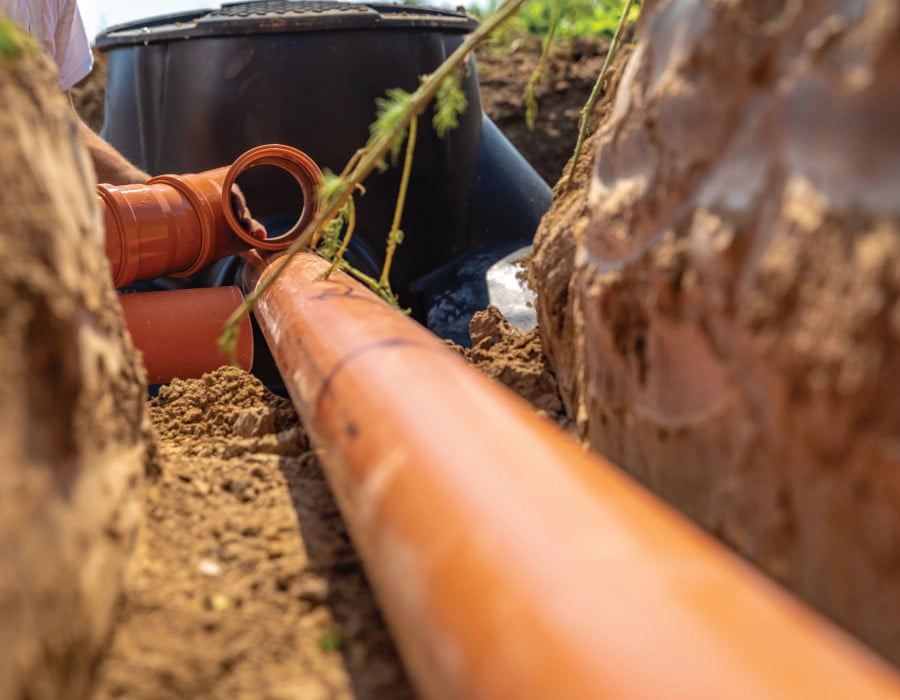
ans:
(450, 102)
(391, 115)
(531, 103)
(332, 183)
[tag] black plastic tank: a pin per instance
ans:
(194, 90)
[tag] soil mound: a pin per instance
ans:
(729, 333)
(72, 408)
(516, 359)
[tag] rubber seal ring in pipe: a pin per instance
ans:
(296, 163)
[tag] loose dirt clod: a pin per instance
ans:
(245, 583)
(515, 358)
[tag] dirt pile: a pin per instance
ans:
(245, 583)
(572, 69)
(516, 359)
(72, 409)
(729, 332)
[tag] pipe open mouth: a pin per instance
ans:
(297, 164)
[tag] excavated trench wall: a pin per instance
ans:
(72, 396)
(722, 306)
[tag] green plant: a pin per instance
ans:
(395, 123)
(11, 40)
(577, 18)
(331, 641)
(599, 86)
(595, 18)
(531, 106)
(450, 102)
(581, 18)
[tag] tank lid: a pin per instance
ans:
(282, 16)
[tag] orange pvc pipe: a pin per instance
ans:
(305, 172)
(510, 562)
(178, 224)
(178, 331)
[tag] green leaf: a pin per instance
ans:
(450, 102)
(228, 342)
(331, 185)
(390, 114)
(579, 18)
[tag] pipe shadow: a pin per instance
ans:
(335, 579)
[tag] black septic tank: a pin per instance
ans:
(194, 90)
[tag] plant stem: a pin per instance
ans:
(368, 161)
(398, 208)
(348, 234)
(588, 108)
(531, 105)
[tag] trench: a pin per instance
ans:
(245, 582)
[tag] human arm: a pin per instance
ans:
(110, 165)
(61, 31)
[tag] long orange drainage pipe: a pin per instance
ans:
(509, 562)
(178, 330)
(178, 224)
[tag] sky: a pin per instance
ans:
(100, 14)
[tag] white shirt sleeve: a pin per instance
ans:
(57, 25)
(72, 51)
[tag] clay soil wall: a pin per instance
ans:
(722, 302)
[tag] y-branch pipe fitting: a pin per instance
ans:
(510, 562)
(178, 224)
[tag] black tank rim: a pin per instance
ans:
(284, 16)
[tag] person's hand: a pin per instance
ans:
(242, 212)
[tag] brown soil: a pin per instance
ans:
(72, 408)
(245, 584)
(552, 262)
(729, 334)
(516, 359)
(88, 96)
(567, 81)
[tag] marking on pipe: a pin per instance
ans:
(355, 354)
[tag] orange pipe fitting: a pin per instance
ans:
(509, 562)
(178, 331)
(178, 224)
(305, 172)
